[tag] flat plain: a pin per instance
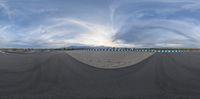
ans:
(57, 75)
(109, 60)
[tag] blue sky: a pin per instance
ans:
(117, 23)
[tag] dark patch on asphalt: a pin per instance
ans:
(56, 75)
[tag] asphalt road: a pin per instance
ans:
(56, 75)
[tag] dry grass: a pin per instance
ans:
(109, 60)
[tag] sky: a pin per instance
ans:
(114, 23)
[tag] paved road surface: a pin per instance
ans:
(56, 75)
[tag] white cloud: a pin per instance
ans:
(7, 11)
(150, 24)
(59, 33)
(47, 10)
(4, 35)
(161, 32)
(129, 23)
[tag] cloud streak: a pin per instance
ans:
(158, 24)
(120, 23)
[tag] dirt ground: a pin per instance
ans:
(109, 60)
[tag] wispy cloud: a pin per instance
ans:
(4, 35)
(158, 23)
(144, 23)
(6, 10)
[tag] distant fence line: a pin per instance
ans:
(157, 50)
(135, 50)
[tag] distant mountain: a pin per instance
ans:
(85, 46)
(79, 47)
